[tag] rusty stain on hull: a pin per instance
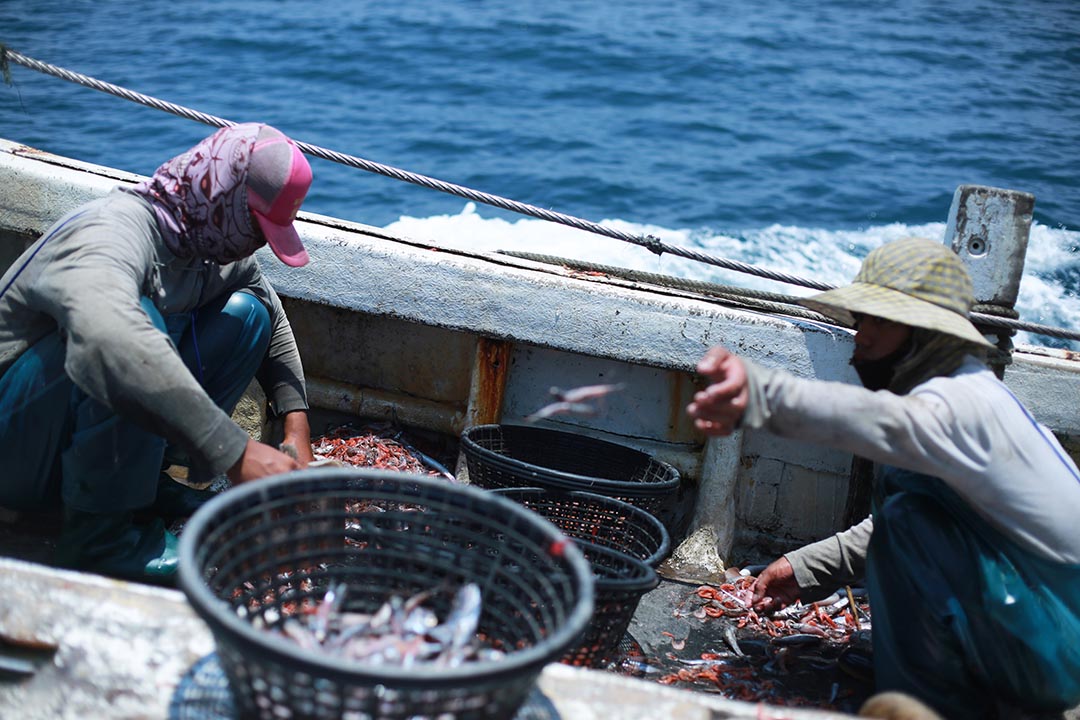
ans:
(490, 371)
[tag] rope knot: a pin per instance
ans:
(653, 244)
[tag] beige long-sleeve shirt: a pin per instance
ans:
(966, 428)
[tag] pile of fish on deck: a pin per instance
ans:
(816, 654)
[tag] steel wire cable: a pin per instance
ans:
(650, 242)
(988, 316)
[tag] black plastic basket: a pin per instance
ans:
(262, 551)
(503, 456)
(598, 519)
(621, 581)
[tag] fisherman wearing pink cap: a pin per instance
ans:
(128, 333)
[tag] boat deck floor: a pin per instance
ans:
(659, 643)
(103, 648)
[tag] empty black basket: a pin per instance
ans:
(598, 519)
(262, 551)
(502, 456)
(621, 581)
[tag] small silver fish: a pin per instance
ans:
(792, 612)
(575, 401)
(562, 408)
(290, 450)
(419, 621)
(700, 662)
(586, 392)
(402, 631)
(302, 636)
(460, 625)
(329, 607)
(731, 639)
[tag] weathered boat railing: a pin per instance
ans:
(441, 339)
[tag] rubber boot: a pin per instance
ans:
(176, 500)
(112, 544)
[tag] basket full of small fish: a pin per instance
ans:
(343, 592)
(510, 456)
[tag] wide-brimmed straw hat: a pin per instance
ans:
(912, 281)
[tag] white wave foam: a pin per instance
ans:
(830, 256)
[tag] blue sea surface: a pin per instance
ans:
(792, 135)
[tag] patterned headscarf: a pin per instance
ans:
(201, 199)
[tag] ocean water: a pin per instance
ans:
(792, 135)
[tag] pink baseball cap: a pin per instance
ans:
(278, 180)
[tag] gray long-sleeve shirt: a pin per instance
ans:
(86, 277)
(966, 428)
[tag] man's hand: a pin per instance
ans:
(775, 588)
(297, 432)
(717, 409)
(259, 461)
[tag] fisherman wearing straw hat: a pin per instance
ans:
(971, 553)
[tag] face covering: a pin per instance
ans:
(927, 354)
(200, 198)
(878, 374)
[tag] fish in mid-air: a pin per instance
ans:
(575, 401)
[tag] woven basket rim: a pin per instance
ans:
(652, 520)
(645, 577)
(573, 481)
(250, 641)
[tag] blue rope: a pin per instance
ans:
(195, 342)
(1035, 423)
